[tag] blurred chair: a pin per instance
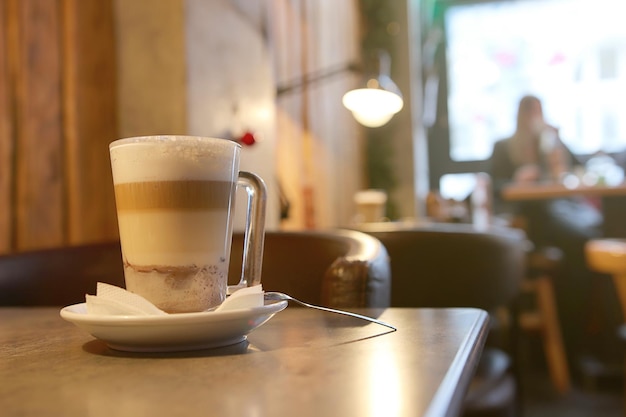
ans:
(335, 269)
(454, 265)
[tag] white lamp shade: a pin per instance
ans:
(372, 107)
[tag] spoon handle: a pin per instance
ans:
(275, 296)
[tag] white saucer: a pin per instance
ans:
(172, 332)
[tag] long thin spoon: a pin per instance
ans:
(278, 296)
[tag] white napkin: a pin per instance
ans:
(247, 297)
(112, 300)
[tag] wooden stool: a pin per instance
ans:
(542, 265)
(608, 256)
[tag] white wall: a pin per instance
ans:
(230, 86)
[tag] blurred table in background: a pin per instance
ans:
(602, 310)
(612, 199)
(547, 190)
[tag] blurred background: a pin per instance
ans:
(76, 75)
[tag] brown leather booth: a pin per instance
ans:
(331, 268)
(58, 276)
(452, 265)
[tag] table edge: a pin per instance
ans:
(448, 400)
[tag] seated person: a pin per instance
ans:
(535, 153)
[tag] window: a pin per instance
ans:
(570, 53)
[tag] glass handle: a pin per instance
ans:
(254, 234)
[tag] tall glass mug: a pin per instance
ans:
(175, 198)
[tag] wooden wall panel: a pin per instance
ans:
(57, 102)
(39, 201)
(90, 118)
(336, 149)
(6, 136)
(285, 36)
(319, 145)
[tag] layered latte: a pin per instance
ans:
(174, 198)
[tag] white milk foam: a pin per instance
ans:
(170, 158)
